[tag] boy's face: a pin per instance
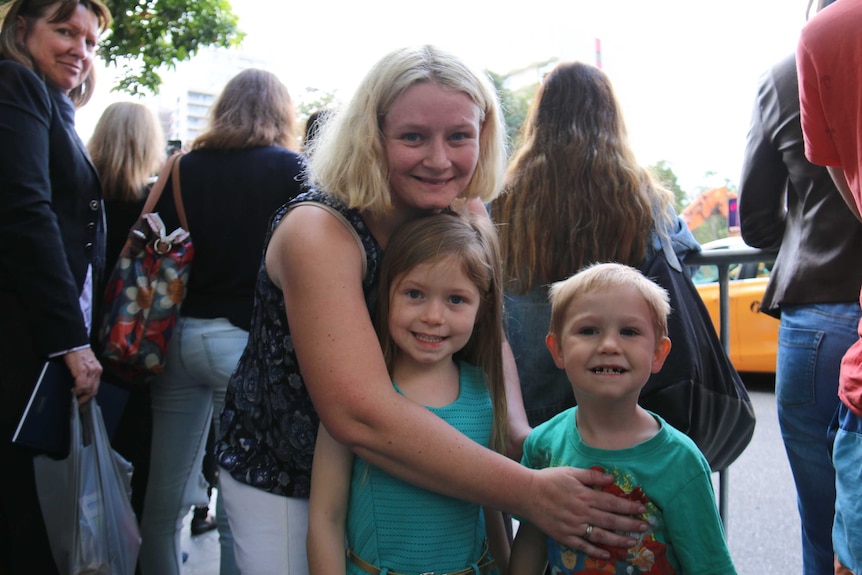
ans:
(607, 344)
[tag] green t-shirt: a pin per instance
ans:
(668, 474)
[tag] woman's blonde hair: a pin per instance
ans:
(253, 110)
(472, 243)
(32, 10)
(348, 158)
(127, 148)
(574, 192)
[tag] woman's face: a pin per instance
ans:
(62, 51)
(431, 136)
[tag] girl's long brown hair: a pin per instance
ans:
(473, 243)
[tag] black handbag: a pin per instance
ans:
(698, 390)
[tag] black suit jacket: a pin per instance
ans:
(51, 218)
(788, 203)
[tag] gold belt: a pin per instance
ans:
(485, 564)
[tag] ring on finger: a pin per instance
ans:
(588, 532)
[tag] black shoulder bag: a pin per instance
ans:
(698, 390)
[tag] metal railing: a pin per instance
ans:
(723, 259)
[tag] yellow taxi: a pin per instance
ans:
(753, 335)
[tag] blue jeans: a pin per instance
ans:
(847, 457)
(811, 342)
(202, 355)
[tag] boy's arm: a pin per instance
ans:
(498, 539)
(327, 505)
(529, 551)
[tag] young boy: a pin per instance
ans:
(609, 333)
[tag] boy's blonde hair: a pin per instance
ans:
(348, 157)
(603, 276)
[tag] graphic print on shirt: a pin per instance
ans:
(647, 556)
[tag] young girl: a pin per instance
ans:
(439, 320)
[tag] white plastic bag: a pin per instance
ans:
(85, 501)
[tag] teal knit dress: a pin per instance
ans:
(392, 524)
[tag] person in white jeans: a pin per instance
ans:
(259, 521)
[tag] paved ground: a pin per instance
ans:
(762, 524)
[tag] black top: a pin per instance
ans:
(269, 424)
(229, 197)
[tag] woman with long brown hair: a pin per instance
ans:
(574, 195)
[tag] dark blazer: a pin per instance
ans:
(50, 209)
(788, 203)
(50, 232)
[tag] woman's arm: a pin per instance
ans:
(316, 262)
(763, 183)
(327, 505)
(518, 426)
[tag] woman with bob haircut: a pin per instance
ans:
(238, 172)
(52, 237)
(421, 134)
(127, 148)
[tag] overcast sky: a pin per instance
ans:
(685, 71)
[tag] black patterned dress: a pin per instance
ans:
(269, 425)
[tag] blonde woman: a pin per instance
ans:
(422, 132)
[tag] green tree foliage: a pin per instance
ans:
(313, 100)
(665, 174)
(713, 228)
(514, 103)
(150, 34)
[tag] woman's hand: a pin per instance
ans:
(87, 372)
(566, 507)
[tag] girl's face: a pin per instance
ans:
(431, 136)
(62, 51)
(432, 311)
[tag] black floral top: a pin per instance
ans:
(269, 425)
